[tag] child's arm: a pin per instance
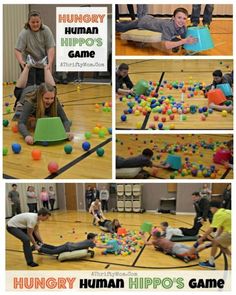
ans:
(221, 107)
(26, 112)
(161, 165)
(173, 44)
(146, 242)
(104, 246)
(125, 91)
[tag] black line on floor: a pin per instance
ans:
(8, 176)
(140, 252)
(149, 113)
(225, 261)
(226, 173)
(77, 160)
(108, 265)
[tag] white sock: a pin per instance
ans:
(211, 260)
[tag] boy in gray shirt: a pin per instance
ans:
(173, 30)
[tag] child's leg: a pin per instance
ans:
(196, 9)
(22, 80)
(207, 16)
(48, 76)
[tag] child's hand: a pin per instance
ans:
(29, 139)
(70, 136)
(191, 40)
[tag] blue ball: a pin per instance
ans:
(86, 146)
(109, 130)
(123, 118)
(160, 126)
(16, 148)
(44, 143)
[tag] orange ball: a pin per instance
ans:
(15, 128)
(36, 154)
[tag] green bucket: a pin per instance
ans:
(49, 130)
(146, 227)
(141, 87)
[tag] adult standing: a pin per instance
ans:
(32, 199)
(88, 196)
(104, 197)
(52, 197)
(206, 192)
(227, 197)
(25, 227)
(14, 197)
(44, 197)
(35, 42)
(202, 210)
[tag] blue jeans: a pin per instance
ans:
(207, 15)
(141, 10)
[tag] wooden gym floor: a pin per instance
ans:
(132, 145)
(79, 106)
(61, 225)
(221, 32)
(188, 71)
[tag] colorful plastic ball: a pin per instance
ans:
(203, 118)
(109, 130)
(184, 117)
(160, 126)
(163, 119)
(87, 135)
(5, 123)
(36, 154)
(123, 118)
(68, 148)
(156, 118)
(224, 113)
(100, 152)
(5, 151)
(101, 134)
(8, 110)
(6, 104)
(172, 126)
(96, 129)
(44, 143)
(53, 167)
(15, 128)
(16, 148)
(86, 146)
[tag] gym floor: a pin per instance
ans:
(84, 107)
(73, 225)
(168, 71)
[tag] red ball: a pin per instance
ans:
(172, 116)
(53, 167)
(163, 119)
(36, 154)
(156, 118)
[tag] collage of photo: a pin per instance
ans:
(117, 145)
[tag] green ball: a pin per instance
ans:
(87, 135)
(101, 134)
(68, 148)
(5, 123)
(5, 151)
(184, 118)
(8, 110)
(100, 152)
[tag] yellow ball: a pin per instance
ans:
(138, 125)
(137, 113)
(224, 113)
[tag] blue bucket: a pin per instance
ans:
(203, 35)
(174, 161)
(227, 90)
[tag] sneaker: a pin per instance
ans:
(30, 61)
(206, 26)
(32, 264)
(207, 264)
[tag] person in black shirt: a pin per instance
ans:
(124, 85)
(201, 206)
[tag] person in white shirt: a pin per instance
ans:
(169, 231)
(25, 227)
(96, 210)
(104, 197)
